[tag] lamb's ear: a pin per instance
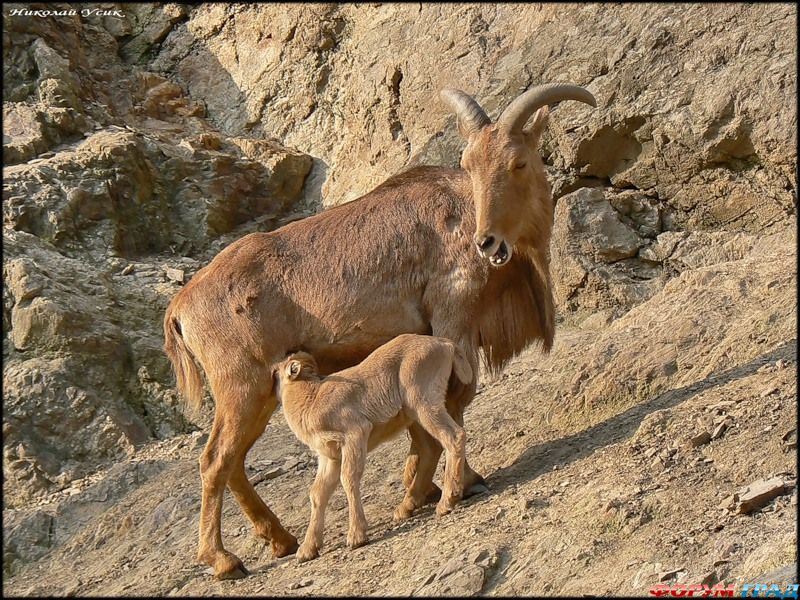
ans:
(293, 369)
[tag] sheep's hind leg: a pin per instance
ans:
(242, 412)
(225, 448)
(266, 524)
(216, 463)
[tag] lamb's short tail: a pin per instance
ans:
(461, 366)
(187, 373)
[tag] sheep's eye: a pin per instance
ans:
(519, 165)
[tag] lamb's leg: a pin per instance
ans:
(416, 432)
(328, 471)
(412, 462)
(448, 324)
(416, 495)
(453, 438)
(354, 453)
(459, 397)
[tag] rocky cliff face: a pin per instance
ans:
(116, 188)
(139, 140)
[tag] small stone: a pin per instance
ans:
(780, 363)
(721, 406)
(769, 390)
(127, 270)
(176, 275)
(719, 430)
(709, 578)
(266, 475)
(758, 493)
(699, 439)
(729, 503)
(725, 551)
(705, 422)
(665, 575)
(650, 452)
(291, 463)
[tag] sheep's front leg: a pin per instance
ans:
(354, 453)
(325, 482)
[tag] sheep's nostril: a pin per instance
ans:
(485, 243)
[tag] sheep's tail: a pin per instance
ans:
(461, 366)
(187, 374)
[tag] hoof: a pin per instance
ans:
(285, 548)
(305, 554)
(237, 573)
(357, 542)
(401, 513)
(443, 509)
(232, 568)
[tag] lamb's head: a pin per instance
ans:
(509, 186)
(298, 366)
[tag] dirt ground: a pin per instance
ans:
(607, 502)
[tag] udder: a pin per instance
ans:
(388, 430)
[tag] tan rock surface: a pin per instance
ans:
(137, 146)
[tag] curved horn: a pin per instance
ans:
(518, 112)
(468, 111)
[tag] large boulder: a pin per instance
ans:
(595, 248)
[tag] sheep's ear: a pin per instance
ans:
(534, 131)
(293, 369)
(275, 373)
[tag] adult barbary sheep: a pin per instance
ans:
(341, 283)
(348, 413)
